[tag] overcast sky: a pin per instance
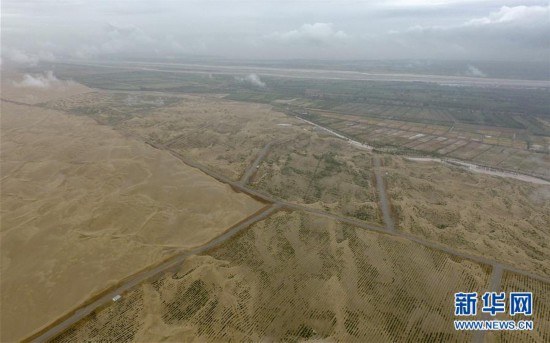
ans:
(275, 29)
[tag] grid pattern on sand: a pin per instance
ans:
(512, 282)
(293, 277)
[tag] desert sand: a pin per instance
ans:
(323, 172)
(294, 277)
(541, 311)
(499, 218)
(223, 135)
(83, 206)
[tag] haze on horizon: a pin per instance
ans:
(509, 30)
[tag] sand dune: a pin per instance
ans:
(499, 218)
(293, 278)
(82, 207)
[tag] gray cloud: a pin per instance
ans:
(517, 32)
(517, 15)
(20, 57)
(265, 29)
(128, 40)
(311, 34)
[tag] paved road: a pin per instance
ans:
(494, 286)
(269, 198)
(382, 195)
(254, 166)
(171, 264)
(321, 213)
(275, 204)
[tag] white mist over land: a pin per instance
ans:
(41, 80)
(47, 30)
(474, 71)
(37, 81)
(252, 79)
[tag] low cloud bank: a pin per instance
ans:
(20, 57)
(317, 34)
(511, 32)
(45, 80)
